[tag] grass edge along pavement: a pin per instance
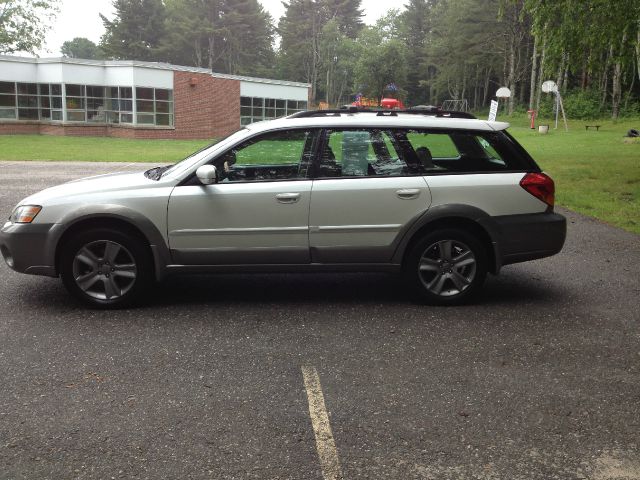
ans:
(596, 173)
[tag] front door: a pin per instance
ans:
(257, 212)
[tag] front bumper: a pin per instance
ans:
(29, 247)
(530, 236)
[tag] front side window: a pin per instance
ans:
(272, 156)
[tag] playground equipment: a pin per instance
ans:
(550, 87)
(456, 105)
(388, 103)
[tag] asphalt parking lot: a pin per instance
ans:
(228, 376)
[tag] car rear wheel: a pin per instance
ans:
(446, 267)
(106, 268)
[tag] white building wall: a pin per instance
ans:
(109, 75)
(83, 74)
(18, 72)
(118, 77)
(266, 90)
(148, 77)
(49, 73)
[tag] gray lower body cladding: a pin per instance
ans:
(30, 248)
(526, 237)
(27, 248)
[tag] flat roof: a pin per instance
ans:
(152, 65)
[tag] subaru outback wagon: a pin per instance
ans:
(440, 197)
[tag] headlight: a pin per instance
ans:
(25, 213)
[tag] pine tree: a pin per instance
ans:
(249, 38)
(136, 31)
(226, 36)
(300, 31)
(414, 32)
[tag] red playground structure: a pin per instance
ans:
(386, 103)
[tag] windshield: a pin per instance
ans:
(195, 157)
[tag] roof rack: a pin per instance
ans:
(351, 109)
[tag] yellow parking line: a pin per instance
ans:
(325, 444)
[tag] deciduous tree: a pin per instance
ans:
(24, 23)
(81, 47)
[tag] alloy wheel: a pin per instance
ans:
(104, 269)
(447, 267)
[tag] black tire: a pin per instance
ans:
(117, 268)
(425, 267)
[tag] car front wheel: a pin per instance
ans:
(446, 267)
(106, 268)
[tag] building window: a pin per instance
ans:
(8, 101)
(117, 106)
(76, 103)
(86, 103)
(96, 101)
(50, 101)
(30, 101)
(125, 104)
(154, 106)
(255, 109)
(27, 101)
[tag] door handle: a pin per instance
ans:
(408, 193)
(288, 197)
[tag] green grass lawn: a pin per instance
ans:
(95, 149)
(595, 172)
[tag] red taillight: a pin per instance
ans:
(540, 186)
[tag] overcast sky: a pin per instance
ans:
(80, 18)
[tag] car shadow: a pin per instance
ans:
(326, 288)
(295, 289)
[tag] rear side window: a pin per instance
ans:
(363, 152)
(439, 145)
(461, 152)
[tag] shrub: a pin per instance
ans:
(578, 105)
(632, 108)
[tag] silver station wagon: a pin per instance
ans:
(439, 197)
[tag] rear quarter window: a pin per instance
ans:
(463, 152)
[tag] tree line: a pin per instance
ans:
(425, 53)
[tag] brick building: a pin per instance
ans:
(131, 99)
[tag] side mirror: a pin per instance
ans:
(207, 174)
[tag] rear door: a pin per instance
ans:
(365, 193)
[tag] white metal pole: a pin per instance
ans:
(564, 116)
